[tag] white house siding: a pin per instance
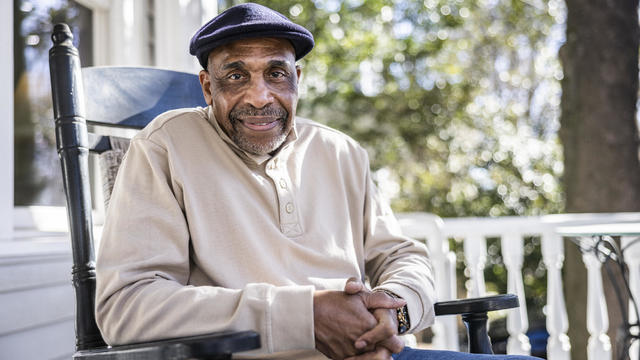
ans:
(36, 299)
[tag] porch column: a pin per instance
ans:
(128, 33)
(6, 125)
(175, 23)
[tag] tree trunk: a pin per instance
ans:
(599, 134)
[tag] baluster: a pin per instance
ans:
(632, 258)
(558, 345)
(451, 322)
(445, 329)
(475, 257)
(517, 321)
(599, 345)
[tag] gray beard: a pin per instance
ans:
(245, 143)
(258, 149)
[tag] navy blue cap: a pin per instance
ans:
(248, 21)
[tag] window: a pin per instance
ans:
(37, 179)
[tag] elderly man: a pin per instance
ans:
(242, 216)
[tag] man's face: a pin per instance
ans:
(252, 86)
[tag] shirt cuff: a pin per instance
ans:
(415, 306)
(291, 319)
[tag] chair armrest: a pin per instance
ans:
(474, 315)
(209, 346)
(476, 305)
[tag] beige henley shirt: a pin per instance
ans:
(202, 237)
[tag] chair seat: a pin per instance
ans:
(210, 346)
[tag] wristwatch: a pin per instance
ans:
(403, 320)
(402, 313)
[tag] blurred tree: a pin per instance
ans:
(599, 133)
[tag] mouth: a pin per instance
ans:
(260, 124)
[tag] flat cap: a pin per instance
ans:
(248, 21)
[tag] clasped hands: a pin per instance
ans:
(356, 324)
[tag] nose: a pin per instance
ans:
(259, 95)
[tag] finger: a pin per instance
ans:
(380, 353)
(380, 300)
(394, 344)
(353, 286)
(326, 350)
(381, 332)
(385, 317)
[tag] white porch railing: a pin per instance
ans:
(34, 223)
(512, 231)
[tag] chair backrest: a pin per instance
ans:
(119, 102)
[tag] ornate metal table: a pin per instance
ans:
(598, 245)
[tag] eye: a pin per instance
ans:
(278, 74)
(235, 76)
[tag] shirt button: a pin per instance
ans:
(289, 208)
(283, 184)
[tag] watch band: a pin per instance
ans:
(404, 324)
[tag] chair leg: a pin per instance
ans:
(479, 342)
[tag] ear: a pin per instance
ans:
(299, 72)
(205, 83)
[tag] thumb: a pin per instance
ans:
(353, 286)
(380, 300)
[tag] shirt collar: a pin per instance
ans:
(245, 156)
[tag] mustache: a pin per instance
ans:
(248, 110)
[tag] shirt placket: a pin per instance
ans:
(289, 212)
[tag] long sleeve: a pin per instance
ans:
(144, 288)
(397, 263)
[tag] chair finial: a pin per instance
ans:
(61, 34)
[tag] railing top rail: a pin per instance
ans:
(425, 224)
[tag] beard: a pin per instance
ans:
(268, 142)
